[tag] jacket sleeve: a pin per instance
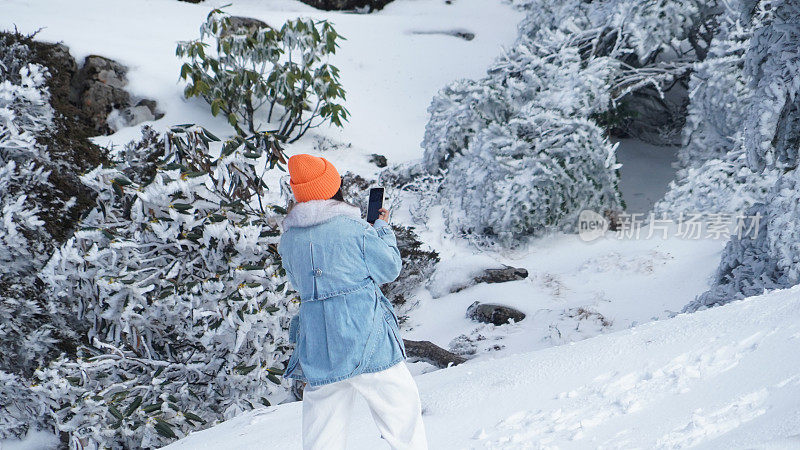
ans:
(381, 253)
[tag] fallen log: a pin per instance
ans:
(432, 353)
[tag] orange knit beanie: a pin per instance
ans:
(312, 178)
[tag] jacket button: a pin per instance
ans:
(317, 272)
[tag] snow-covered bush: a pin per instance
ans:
(719, 93)
(457, 112)
(282, 70)
(772, 64)
(724, 185)
(767, 257)
(714, 175)
(520, 151)
(20, 408)
(25, 113)
(175, 283)
(25, 336)
(770, 143)
(529, 176)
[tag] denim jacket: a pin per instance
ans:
(335, 260)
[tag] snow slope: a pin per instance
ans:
(390, 73)
(574, 290)
(727, 377)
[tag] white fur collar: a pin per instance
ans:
(314, 212)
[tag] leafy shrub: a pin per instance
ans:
(175, 282)
(529, 176)
(257, 67)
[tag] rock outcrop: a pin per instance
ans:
(493, 275)
(348, 5)
(98, 88)
(494, 313)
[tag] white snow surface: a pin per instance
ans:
(645, 174)
(727, 377)
(389, 72)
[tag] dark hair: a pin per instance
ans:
(338, 195)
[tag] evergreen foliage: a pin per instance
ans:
(254, 67)
(175, 282)
(26, 336)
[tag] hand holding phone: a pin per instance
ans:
(384, 215)
(375, 205)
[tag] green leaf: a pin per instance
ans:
(275, 370)
(136, 402)
(185, 69)
(244, 370)
(210, 136)
(115, 412)
(194, 417)
(182, 206)
(151, 408)
(164, 429)
(273, 378)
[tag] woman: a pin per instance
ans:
(346, 335)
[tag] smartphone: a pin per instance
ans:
(375, 204)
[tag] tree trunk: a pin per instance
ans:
(432, 353)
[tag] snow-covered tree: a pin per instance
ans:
(714, 174)
(503, 144)
(770, 144)
(772, 64)
(457, 112)
(764, 257)
(174, 282)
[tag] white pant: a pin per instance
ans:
(393, 400)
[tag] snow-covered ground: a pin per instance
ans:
(574, 289)
(645, 173)
(390, 73)
(724, 378)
